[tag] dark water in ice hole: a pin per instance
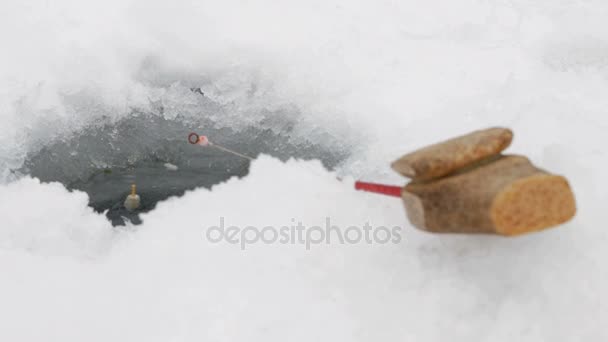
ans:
(104, 161)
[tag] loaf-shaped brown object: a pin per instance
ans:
(444, 158)
(464, 185)
(508, 196)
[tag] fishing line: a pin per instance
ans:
(202, 140)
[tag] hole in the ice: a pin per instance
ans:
(153, 152)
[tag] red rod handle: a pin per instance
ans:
(389, 190)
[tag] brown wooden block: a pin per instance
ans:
(444, 158)
(506, 195)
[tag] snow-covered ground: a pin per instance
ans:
(382, 78)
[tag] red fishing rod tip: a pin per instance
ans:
(388, 190)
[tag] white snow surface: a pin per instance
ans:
(397, 75)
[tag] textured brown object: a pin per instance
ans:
(462, 186)
(444, 158)
(508, 196)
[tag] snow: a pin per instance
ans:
(384, 77)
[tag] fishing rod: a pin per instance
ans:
(466, 185)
